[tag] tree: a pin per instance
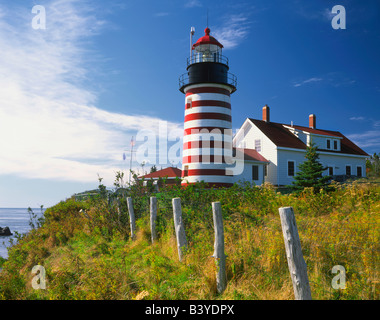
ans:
(311, 173)
(373, 165)
(103, 193)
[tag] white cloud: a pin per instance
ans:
(50, 127)
(367, 139)
(332, 79)
(357, 118)
(311, 14)
(161, 14)
(310, 80)
(234, 30)
(327, 14)
(193, 4)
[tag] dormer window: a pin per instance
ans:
(335, 145)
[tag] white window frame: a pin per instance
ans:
(260, 145)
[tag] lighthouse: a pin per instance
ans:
(207, 141)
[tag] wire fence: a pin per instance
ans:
(341, 241)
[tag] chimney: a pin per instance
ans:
(312, 121)
(266, 113)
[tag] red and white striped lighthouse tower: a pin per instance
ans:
(207, 142)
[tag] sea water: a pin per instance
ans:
(17, 219)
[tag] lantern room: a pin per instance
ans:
(207, 49)
(207, 64)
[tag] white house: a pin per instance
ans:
(283, 147)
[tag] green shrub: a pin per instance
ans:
(86, 249)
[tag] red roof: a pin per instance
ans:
(282, 137)
(169, 172)
(317, 131)
(279, 135)
(252, 155)
(207, 39)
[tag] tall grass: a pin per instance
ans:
(87, 252)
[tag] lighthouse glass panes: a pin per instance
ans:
(207, 142)
(207, 53)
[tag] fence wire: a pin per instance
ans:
(325, 244)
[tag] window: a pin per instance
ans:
(189, 104)
(331, 171)
(291, 168)
(258, 145)
(348, 170)
(255, 172)
(335, 145)
(328, 144)
(359, 171)
(265, 170)
(186, 171)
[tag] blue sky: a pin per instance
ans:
(73, 95)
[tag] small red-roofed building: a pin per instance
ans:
(169, 176)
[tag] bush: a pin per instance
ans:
(86, 249)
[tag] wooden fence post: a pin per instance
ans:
(179, 228)
(118, 208)
(296, 263)
(132, 220)
(220, 257)
(153, 218)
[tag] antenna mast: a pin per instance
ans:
(192, 31)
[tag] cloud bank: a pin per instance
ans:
(50, 126)
(370, 138)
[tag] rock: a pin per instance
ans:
(5, 231)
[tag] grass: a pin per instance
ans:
(88, 254)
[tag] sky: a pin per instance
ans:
(80, 78)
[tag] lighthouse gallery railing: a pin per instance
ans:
(231, 80)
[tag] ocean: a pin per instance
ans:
(17, 219)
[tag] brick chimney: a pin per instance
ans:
(312, 121)
(266, 114)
